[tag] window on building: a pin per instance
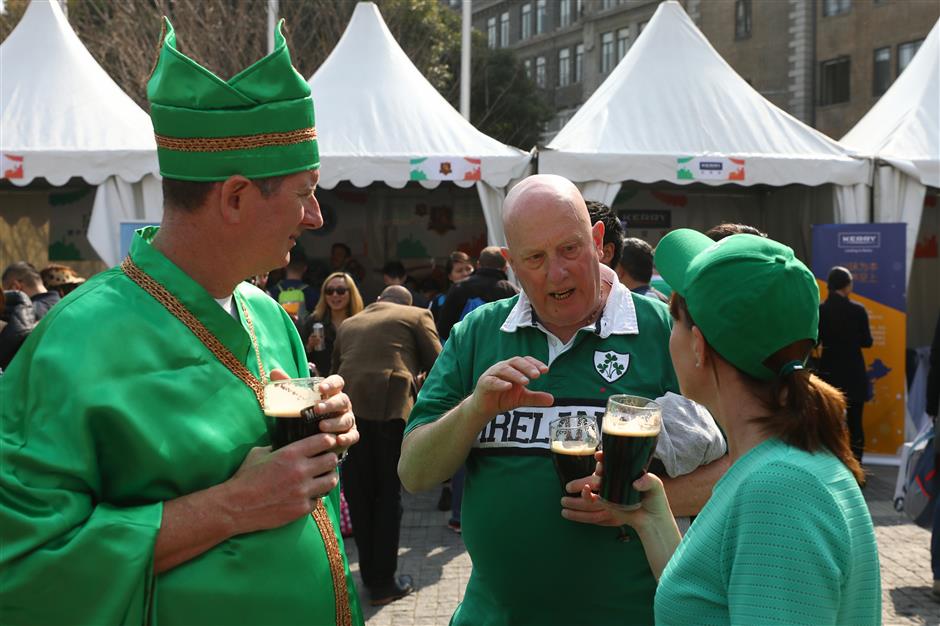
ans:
(564, 13)
(540, 72)
(525, 19)
(742, 19)
(564, 67)
(834, 81)
(491, 32)
(608, 4)
(906, 52)
(578, 62)
(541, 16)
(881, 71)
(836, 7)
(504, 29)
(607, 52)
(527, 65)
(623, 42)
(579, 9)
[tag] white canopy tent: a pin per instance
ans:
(62, 116)
(673, 110)
(902, 131)
(382, 121)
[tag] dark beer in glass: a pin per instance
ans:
(573, 443)
(289, 403)
(629, 433)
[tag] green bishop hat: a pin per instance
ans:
(259, 123)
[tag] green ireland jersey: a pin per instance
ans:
(531, 566)
(112, 407)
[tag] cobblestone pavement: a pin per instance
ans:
(435, 557)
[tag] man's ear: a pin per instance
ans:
(234, 193)
(607, 253)
(597, 234)
(507, 256)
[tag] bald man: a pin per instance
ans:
(573, 337)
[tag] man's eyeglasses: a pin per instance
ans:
(339, 291)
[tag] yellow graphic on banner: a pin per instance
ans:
(883, 416)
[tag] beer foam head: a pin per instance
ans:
(287, 399)
(631, 428)
(578, 448)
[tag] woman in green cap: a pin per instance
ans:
(786, 536)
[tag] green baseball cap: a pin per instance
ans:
(749, 295)
(259, 123)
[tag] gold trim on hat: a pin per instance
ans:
(241, 142)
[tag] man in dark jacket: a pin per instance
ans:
(17, 320)
(487, 284)
(380, 353)
(22, 276)
(843, 332)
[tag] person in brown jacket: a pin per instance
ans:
(380, 352)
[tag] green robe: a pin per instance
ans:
(111, 408)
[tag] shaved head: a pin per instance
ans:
(532, 197)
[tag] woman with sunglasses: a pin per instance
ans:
(786, 536)
(339, 300)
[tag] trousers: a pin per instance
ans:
(373, 492)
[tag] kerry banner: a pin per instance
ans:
(874, 253)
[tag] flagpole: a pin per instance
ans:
(465, 60)
(272, 23)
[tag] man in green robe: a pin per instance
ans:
(137, 485)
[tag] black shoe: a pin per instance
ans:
(444, 502)
(400, 587)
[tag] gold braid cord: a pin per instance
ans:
(340, 593)
(241, 142)
(180, 312)
(225, 356)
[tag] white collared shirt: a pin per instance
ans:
(617, 318)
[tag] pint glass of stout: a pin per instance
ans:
(573, 442)
(629, 432)
(286, 403)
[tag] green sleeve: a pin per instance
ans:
(65, 557)
(785, 553)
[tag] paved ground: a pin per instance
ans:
(436, 558)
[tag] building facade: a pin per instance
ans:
(825, 62)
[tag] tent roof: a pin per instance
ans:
(61, 113)
(903, 127)
(673, 96)
(375, 112)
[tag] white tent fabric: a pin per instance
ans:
(903, 129)
(62, 116)
(376, 113)
(673, 96)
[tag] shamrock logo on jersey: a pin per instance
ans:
(611, 365)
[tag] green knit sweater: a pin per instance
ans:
(786, 538)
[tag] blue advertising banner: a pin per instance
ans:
(874, 254)
(127, 234)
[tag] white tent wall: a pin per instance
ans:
(852, 203)
(119, 201)
(900, 198)
(599, 191)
